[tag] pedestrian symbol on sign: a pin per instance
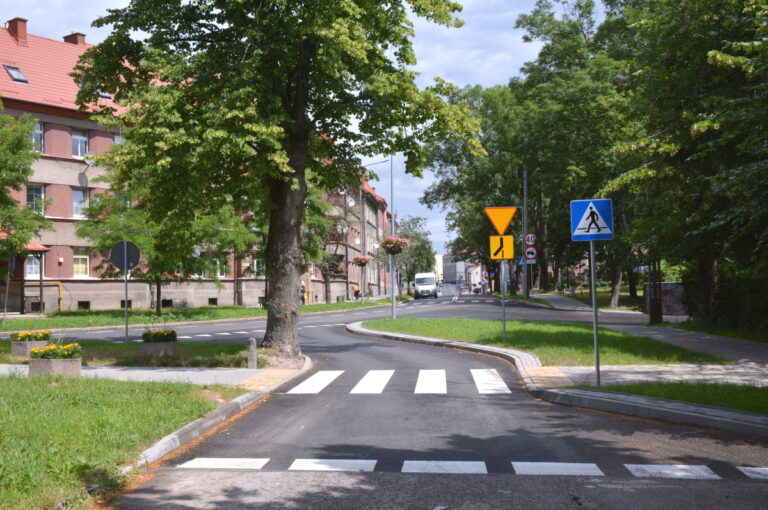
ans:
(591, 219)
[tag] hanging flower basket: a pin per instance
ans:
(361, 260)
(394, 245)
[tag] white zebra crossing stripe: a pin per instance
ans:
(557, 468)
(444, 466)
(222, 463)
(183, 337)
(208, 336)
(373, 382)
(488, 381)
(225, 334)
(317, 382)
(672, 471)
(431, 381)
(332, 465)
(758, 473)
(241, 332)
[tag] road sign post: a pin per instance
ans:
(592, 220)
(125, 256)
(502, 248)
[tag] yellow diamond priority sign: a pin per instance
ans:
(500, 217)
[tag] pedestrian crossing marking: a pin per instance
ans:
(488, 381)
(557, 468)
(672, 471)
(445, 466)
(224, 463)
(758, 473)
(317, 382)
(431, 382)
(373, 382)
(332, 465)
(590, 220)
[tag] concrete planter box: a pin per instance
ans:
(66, 367)
(22, 349)
(160, 349)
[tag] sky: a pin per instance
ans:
(487, 50)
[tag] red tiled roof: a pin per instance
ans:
(46, 63)
(369, 189)
(31, 246)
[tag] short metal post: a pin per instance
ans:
(253, 354)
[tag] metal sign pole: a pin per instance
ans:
(503, 302)
(10, 267)
(125, 278)
(593, 289)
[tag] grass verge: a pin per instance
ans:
(729, 396)
(99, 353)
(604, 298)
(555, 343)
(701, 328)
(61, 435)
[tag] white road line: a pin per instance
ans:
(373, 382)
(225, 334)
(317, 382)
(241, 332)
(205, 335)
(489, 300)
(183, 337)
(431, 381)
(672, 471)
(557, 468)
(332, 465)
(488, 381)
(221, 463)
(758, 473)
(445, 466)
(309, 326)
(341, 324)
(258, 331)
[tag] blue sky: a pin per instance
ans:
(487, 50)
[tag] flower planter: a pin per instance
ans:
(22, 349)
(161, 349)
(69, 367)
(394, 251)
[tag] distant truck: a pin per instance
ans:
(425, 285)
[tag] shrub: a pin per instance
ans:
(31, 336)
(166, 335)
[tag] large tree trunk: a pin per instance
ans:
(616, 286)
(632, 281)
(158, 296)
(326, 285)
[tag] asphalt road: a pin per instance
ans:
(384, 424)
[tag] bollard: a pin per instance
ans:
(253, 354)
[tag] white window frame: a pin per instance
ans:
(33, 205)
(35, 262)
(15, 73)
(78, 207)
(37, 137)
(79, 143)
(79, 253)
(221, 269)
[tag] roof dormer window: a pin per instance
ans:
(16, 74)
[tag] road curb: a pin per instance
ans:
(197, 428)
(672, 411)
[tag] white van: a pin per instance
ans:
(425, 285)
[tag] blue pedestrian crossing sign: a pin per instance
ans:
(592, 220)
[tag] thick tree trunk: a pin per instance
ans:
(158, 296)
(616, 286)
(326, 285)
(632, 281)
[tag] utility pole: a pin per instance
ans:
(526, 291)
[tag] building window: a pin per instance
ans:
(80, 262)
(37, 137)
(79, 143)
(221, 268)
(15, 74)
(119, 139)
(35, 197)
(33, 266)
(79, 202)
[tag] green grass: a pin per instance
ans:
(555, 343)
(60, 435)
(701, 328)
(519, 297)
(730, 396)
(97, 353)
(604, 298)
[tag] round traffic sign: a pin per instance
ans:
(530, 252)
(124, 255)
(530, 238)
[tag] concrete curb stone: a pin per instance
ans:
(682, 413)
(195, 429)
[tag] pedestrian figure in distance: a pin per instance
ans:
(303, 294)
(593, 217)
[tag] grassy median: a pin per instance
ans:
(555, 343)
(62, 438)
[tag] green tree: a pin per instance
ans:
(419, 256)
(239, 99)
(17, 224)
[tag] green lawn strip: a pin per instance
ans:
(700, 328)
(60, 434)
(519, 297)
(730, 396)
(555, 343)
(193, 354)
(604, 298)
